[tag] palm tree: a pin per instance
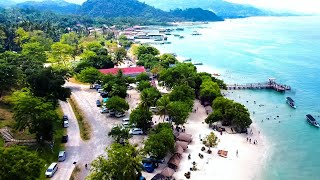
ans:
(163, 106)
(146, 100)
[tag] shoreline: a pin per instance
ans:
(251, 159)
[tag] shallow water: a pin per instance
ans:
(253, 50)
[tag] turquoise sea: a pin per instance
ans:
(253, 50)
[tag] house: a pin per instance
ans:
(129, 71)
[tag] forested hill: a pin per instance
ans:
(121, 8)
(57, 6)
(222, 8)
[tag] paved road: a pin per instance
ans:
(72, 146)
(84, 152)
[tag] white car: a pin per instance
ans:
(119, 115)
(66, 123)
(136, 131)
(104, 110)
(126, 124)
(62, 156)
(51, 170)
(125, 120)
(154, 109)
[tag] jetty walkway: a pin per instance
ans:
(270, 84)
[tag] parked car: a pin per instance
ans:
(64, 139)
(157, 160)
(104, 110)
(126, 124)
(104, 95)
(97, 86)
(100, 90)
(62, 156)
(119, 114)
(148, 167)
(66, 123)
(98, 103)
(65, 117)
(125, 120)
(154, 109)
(53, 168)
(136, 131)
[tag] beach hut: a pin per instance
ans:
(185, 137)
(183, 144)
(159, 177)
(174, 162)
(167, 172)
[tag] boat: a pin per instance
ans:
(291, 102)
(195, 33)
(312, 121)
(197, 63)
(181, 37)
(216, 74)
(176, 35)
(180, 29)
(187, 60)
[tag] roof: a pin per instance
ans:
(159, 177)
(310, 117)
(183, 144)
(167, 172)
(174, 160)
(125, 71)
(290, 99)
(185, 137)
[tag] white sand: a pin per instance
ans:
(244, 166)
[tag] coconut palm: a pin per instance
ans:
(163, 106)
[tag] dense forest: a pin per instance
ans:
(123, 9)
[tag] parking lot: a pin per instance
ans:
(100, 123)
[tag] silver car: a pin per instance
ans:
(62, 156)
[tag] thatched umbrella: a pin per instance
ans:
(185, 137)
(167, 172)
(183, 144)
(174, 161)
(178, 150)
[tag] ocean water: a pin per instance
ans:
(253, 50)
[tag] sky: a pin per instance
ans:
(302, 6)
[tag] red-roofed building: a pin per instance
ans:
(129, 71)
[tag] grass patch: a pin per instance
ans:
(75, 172)
(1, 142)
(74, 80)
(6, 115)
(85, 129)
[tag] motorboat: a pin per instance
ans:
(312, 120)
(291, 102)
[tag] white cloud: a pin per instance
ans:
(303, 6)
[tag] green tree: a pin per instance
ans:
(179, 112)
(19, 164)
(61, 53)
(144, 85)
(119, 133)
(38, 36)
(48, 83)
(21, 37)
(167, 59)
(89, 75)
(230, 113)
(182, 93)
(142, 77)
(149, 97)
(34, 114)
(146, 49)
(159, 144)
(142, 117)
(123, 162)
(9, 76)
(182, 73)
(148, 61)
(93, 46)
(209, 90)
(119, 55)
(118, 104)
(163, 106)
(70, 39)
(34, 52)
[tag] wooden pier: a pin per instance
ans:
(270, 84)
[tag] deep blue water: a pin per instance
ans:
(253, 50)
